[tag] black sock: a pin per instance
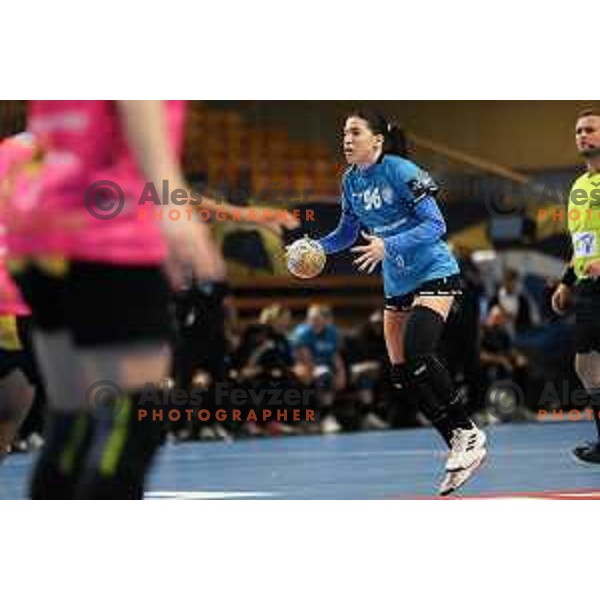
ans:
(121, 452)
(436, 396)
(66, 440)
(595, 404)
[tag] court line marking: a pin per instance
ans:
(576, 494)
(212, 495)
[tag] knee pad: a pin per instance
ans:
(429, 379)
(418, 370)
(424, 368)
(399, 376)
(422, 334)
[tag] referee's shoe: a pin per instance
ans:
(588, 453)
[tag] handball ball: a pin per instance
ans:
(305, 258)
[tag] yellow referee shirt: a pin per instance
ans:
(584, 221)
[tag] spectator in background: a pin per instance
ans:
(316, 344)
(368, 371)
(278, 320)
(500, 360)
(264, 359)
(200, 352)
(462, 334)
(520, 312)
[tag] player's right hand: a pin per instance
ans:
(191, 247)
(561, 299)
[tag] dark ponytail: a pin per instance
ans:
(394, 138)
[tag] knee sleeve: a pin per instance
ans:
(428, 378)
(399, 376)
(422, 333)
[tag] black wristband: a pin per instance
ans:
(569, 277)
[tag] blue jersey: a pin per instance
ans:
(322, 347)
(394, 200)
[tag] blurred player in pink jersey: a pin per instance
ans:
(17, 371)
(94, 275)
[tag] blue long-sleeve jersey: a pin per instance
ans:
(395, 200)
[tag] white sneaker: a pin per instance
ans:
(221, 433)
(330, 425)
(373, 421)
(182, 435)
(207, 434)
(35, 441)
(456, 479)
(467, 447)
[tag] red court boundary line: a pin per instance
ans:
(571, 494)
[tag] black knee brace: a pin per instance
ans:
(424, 328)
(428, 378)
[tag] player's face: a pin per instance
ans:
(587, 136)
(360, 143)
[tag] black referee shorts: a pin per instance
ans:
(99, 303)
(587, 316)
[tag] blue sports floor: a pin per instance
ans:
(531, 460)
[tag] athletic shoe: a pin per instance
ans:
(372, 421)
(207, 434)
(277, 428)
(330, 425)
(221, 433)
(588, 453)
(35, 441)
(467, 447)
(456, 479)
(251, 429)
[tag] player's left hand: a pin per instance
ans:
(593, 268)
(371, 254)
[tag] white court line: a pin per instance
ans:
(167, 495)
(341, 453)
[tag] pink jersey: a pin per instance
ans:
(84, 143)
(14, 153)
(11, 302)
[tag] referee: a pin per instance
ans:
(580, 284)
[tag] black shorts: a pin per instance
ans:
(587, 316)
(22, 358)
(98, 303)
(444, 286)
